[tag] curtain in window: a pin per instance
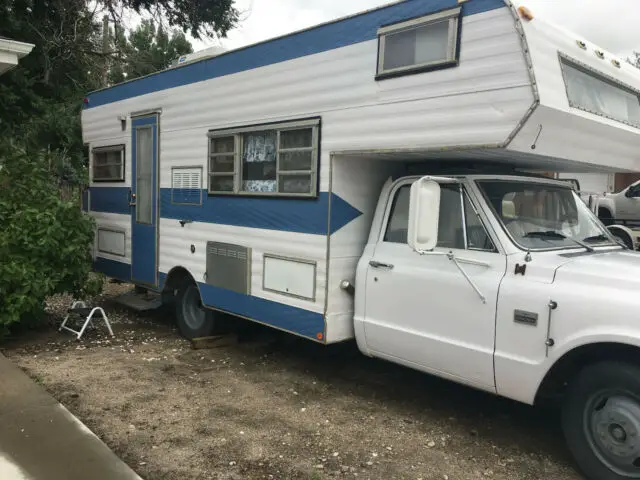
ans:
(259, 162)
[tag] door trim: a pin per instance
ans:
(153, 114)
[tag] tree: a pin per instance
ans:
(45, 241)
(198, 17)
(635, 60)
(147, 50)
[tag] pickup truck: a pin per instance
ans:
(510, 284)
(623, 206)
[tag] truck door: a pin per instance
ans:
(420, 310)
(628, 203)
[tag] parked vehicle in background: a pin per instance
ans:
(623, 206)
(363, 180)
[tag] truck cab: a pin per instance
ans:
(509, 284)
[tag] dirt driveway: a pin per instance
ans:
(275, 407)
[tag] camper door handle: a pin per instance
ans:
(132, 199)
(375, 264)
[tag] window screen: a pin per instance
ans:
(108, 164)
(279, 160)
(597, 94)
(419, 44)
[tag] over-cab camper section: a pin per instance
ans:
(257, 172)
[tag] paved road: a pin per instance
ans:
(41, 440)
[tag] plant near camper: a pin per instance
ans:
(45, 241)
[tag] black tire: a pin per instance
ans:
(605, 217)
(194, 321)
(601, 421)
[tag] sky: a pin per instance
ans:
(611, 24)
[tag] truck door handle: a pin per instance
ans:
(376, 264)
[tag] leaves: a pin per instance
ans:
(147, 50)
(45, 245)
(197, 17)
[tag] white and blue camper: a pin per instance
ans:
(365, 179)
(272, 157)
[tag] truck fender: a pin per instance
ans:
(624, 234)
(592, 349)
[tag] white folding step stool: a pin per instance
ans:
(80, 309)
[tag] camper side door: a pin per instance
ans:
(420, 310)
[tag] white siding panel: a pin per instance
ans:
(175, 250)
(330, 82)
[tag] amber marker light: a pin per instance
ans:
(525, 13)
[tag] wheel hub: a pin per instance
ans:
(615, 433)
(194, 313)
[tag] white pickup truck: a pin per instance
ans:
(623, 206)
(510, 284)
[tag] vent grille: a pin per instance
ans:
(186, 186)
(229, 266)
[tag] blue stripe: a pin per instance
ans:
(293, 319)
(286, 317)
(283, 214)
(360, 28)
(113, 269)
(110, 200)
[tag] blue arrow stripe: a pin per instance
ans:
(283, 214)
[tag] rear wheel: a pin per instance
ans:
(194, 320)
(601, 421)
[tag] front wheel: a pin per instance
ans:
(601, 421)
(194, 320)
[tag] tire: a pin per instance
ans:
(193, 319)
(601, 421)
(605, 217)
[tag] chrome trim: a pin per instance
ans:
(144, 113)
(464, 217)
(532, 76)
(453, 18)
(564, 59)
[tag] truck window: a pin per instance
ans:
(527, 210)
(450, 227)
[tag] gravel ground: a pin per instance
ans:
(271, 406)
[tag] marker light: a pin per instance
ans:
(525, 13)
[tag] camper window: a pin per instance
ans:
(276, 159)
(598, 94)
(108, 164)
(419, 45)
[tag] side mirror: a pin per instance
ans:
(424, 212)
(628, 193)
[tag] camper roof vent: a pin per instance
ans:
(196, 56)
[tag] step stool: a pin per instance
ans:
(80, 309)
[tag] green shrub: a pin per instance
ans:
(45, 242)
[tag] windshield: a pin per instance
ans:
(543, 216)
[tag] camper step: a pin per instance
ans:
(140, 302)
